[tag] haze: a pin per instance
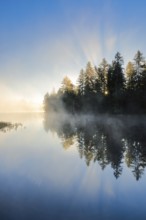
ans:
(42, 41)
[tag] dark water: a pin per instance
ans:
(54, 168)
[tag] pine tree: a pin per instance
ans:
(129, 70)
(103, 70)
(130, 73)
(81, 83)
(135, 73)
(68, 94)
(67, 85)
(118, 75)
(98, 80)
(139, 62)
(89, 79)
(110, 81)
(139, 69)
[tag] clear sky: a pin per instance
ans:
(41, 41)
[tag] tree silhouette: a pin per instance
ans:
(118, 75)
(89, 79)
(103, 72)
(81, 83)
(106, 88)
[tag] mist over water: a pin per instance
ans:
(76, 70)
(105, 139)
(60, 166)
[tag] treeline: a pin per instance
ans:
(108, 88)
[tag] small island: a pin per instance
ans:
(7, 126)
(4, 125)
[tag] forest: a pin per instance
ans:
(106, 88)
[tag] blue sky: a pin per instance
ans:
(41, 41)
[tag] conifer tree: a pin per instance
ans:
(89, 79)
(130, 73)
(67, 85)
(81, 83)
(118, 75)
(103, 75)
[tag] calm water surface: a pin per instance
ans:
(55, 168)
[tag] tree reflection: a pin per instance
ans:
(110, 141)
(135, 156)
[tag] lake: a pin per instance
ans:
(64, 168)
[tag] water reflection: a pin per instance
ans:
(7, 126)
(113, 141)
